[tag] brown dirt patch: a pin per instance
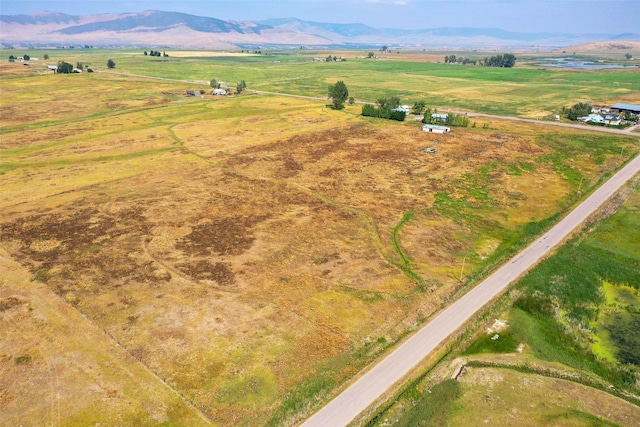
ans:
(225, 236)
(218, 272)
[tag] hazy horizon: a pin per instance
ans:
(533, 16)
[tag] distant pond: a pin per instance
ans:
(579, 64)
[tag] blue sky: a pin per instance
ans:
(584, 16)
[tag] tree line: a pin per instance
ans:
(452, 119)
(368, 110)
(240, 86)
(506, 60)
(155, 53)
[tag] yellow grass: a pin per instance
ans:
(505, 397)
(222, 250)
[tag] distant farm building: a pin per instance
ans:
(436, 129)
(219, 92)
(612, 119)
(404, 108)
(440, 117)
(624, 108)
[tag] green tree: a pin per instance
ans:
(628, 56)
(388, 102)
(64, 68)
(351, 100)
(418, 107)
(457, 120)
(111, 64)
(508, 60)
(369, 110)
(397, 115)
(241, 86)
(214, 84)
(46, 56)
(580, 109)
(371, 55)
(338, 93)
(427, 115)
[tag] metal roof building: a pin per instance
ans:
(621, 106)
(436, 129)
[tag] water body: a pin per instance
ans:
(579, 64)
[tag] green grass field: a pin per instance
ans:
(525, 92)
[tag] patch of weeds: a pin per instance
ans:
(21, 360)
(501, 342)
(396, 243)
(623, 330)
(527, 167)
(307, 394)
(514, 169)
(549, 340)
(565, 417)
(433, 406)
(321, 260)
(41, 275)
(362, 294)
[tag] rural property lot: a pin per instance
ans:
(234, 260)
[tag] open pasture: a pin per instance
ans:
(251, 253)
(519, 91)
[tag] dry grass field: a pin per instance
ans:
(235, 260)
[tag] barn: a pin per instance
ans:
(623, 108)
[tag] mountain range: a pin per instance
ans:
(179, 30)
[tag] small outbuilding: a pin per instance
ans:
(219, 92)
(404, 108)
(436, 129)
